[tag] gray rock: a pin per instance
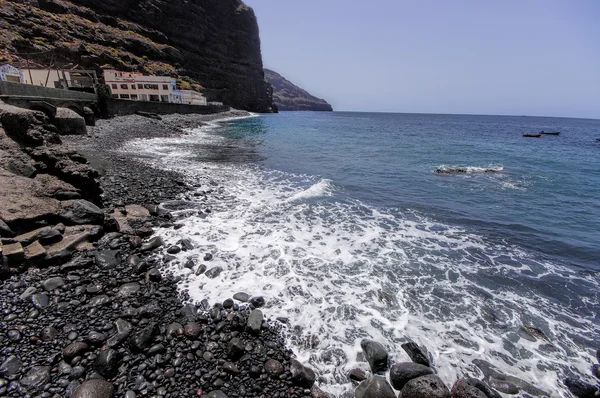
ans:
(37, 377)
(376, 355)
(416, 353)
(274, 367)
(357, 375)
(12, 365)
(241, 296)
(49, 236)
(301, 376)
(213, 272)
(255, 321)
(40, 300)
(107, 363)
(99, 300)
(235, 348)
(5, 230)
(472, 388)
(53, 283)
(374, 387)
(580, 388)
(108, 258)
(81, 212)
(316, 392)
(257, 301)
(75, 349)
(129, 289)
(429, 386)
(401, 373)
(94, 389)
(152, 244)
(28, 293)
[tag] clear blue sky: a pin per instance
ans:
(519, 57)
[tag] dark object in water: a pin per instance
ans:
(532, 333)
(550, 132)
(538, 135)
(460, 171)
(598, 139)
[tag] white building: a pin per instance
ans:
(191, 97)
(136, 86)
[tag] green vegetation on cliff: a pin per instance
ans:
(289, 97)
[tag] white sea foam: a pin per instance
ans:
(343, 271)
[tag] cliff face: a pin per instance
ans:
(289, 97)
(212, 45)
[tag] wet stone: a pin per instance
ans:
(40, 300)
(241, 296)
(213, 272)
(174, 249)
(53, 283)
(257, 301)
(37, 377)
(274, 367)
(12, 365)
(301, 375)
(108, 258)
(416, 353)
(255, 321)
(401, 373)
(376, 355)
(94, 389)
(129, 289)
(74, 349)
(99, 300)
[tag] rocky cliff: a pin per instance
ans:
(210, 45)
(289, 97)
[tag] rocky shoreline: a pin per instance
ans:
(93, 314)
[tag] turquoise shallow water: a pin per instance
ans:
(340, 221)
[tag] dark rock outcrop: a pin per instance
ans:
(289, 97)
(213, 46)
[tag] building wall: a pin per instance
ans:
(128, 107)
(29, 90)
(43, 77)
(191, 97)
(135, 86)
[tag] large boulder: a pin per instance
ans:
(374, 387)
(302, 376)
(94, 388)
(376, 355)
(429, 386)
(472, 388)
(80, 212)
(402, 373)
(416, 353)
(69, 122)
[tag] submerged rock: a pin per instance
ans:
(374, 387)
(429, 386)
(376, 355)
(401, 373)
(416, 353)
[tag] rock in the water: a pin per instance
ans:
(429, 386)
(257, 301)
(53, 283)
(255, 321)
(472, 388)
(580, 388)
(241, 296)
(152, 244)
(94, 388)
(374, 387)
(357, 375)
(376, 355)
(401, 373)
(213, 272)
(81, 212)
(416, 354)
(302, 376)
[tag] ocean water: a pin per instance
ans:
(341, 222)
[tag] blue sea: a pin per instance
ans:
(344, 223)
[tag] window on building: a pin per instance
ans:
(115, 95)
(133, 86)
(124, 96)
(144, 97)
(114, 86)
(140, 86)
(165, 86)
(134, 96)
(124, 86)
(164, 98)
(151, 86)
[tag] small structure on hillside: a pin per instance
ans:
(68, 79)
(139, 87)
(9, 73)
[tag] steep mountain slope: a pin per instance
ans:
(210, 44)
(289, 97)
